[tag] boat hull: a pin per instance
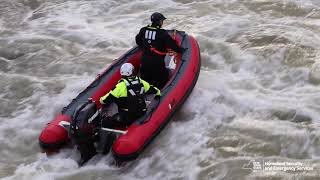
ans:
(128, 146)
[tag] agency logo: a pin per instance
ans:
(254, 165)
(272, 165)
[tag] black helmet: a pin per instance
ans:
(157, 17)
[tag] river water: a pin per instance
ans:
(257, 99)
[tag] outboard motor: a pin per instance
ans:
(84, 120)
(85, 131)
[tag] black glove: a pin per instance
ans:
(157, 97)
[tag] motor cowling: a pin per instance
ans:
(84, 121)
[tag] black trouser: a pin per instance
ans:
(85, 141)
(153, 70)
(122, 119)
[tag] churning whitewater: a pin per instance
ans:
(253, 114)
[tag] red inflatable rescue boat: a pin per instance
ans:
(184, 72)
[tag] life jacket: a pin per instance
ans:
(135, 101)
(150, 38)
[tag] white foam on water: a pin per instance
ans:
(255, 84)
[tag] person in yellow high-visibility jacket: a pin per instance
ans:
(129, 95)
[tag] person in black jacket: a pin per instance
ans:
(154, 42)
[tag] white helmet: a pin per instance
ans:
(126, 69)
